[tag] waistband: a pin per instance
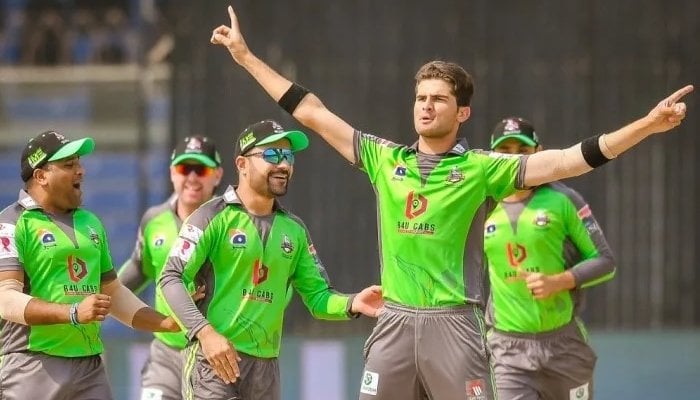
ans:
(435, 311)
(567, 329)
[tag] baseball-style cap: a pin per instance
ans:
(198, 148)
(269, 131)
(51, 146)
(514, 127)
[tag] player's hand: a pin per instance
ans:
(170, 325)
(669, 112)
(220, 354)
(542, 286)
(368, 302)
(198, 294)
(231, 37)
(93, 308)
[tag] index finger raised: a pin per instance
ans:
(678, 94)
(234, 19)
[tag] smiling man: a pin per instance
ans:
(57, 282)
(195, 172)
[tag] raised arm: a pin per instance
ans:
(551, 165)
(304, 106)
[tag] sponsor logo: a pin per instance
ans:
(517, 254)
(247, 139)
(264, 296)
(151, 394)
(159, 241)
(312, 251)
(476, 390)
(48, 239)
(191, 233)
(416, 204)
(418, 228)
(584, 212)
(579, 393)
(237, 238)
(77, 269)
(7, 241)
(399, 172)
(259, 272)
(80, 290)
(490, 229)
(182, 249)
(370, 382)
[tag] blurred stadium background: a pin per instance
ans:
(139, 74)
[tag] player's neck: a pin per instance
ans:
(440, 145)
(254, 202)
(184, 210)
(42, 198)
(520, 195)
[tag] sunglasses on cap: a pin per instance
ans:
(275, 156)
(199, 170)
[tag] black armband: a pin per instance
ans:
(590, 149)
(292, 97)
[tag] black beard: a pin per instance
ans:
(276, 189)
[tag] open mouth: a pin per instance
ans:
(77, 185)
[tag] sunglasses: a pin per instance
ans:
(275, 156)
(199, 169)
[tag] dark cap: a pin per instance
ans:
(51, 146)
(269, 131)
(516, 128)
(198, 148)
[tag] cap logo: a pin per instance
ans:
(247, 139)
(194, 145)
(60, 137)
(277, 127)
(36, 157)
(512, 126)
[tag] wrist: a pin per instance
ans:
(205, 331)
(73, 314)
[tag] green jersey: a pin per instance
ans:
(549, 232)
(157, 232)
(431, 211)
(246, 264)
(64, 259)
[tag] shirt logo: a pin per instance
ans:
(48, 239)
(7, 241)
(490, 229)
(36, 157)
(312, 251)
(191, 233)
(416, 204)
(159, 240)
(77, 269)
(259, 272)
(541, 218)
(455, 176)
(287, 246)
(237, 238)
(399, 173)
(92, 233)
(475, 390)
(182, 249)
(370, 383)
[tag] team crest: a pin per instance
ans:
(287, 246)
(490, 229)
(194, 145)
(455, 176)
(541, 218)
(159, 240)
(92, 233)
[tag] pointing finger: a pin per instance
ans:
(234, 19)
(672, 99)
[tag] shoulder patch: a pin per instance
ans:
(8, 248)
(191, 233)
(182, 249)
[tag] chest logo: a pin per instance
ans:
(399, 173)
(541, 219)
(416, 204)
(48, 239)
(77, 269)
(237, 238)
(159, 240)
(287, 246)
(455, 176)
(260, 272)
(92, 234)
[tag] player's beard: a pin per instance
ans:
(276, 186)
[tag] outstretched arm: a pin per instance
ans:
(310, 111)
(551, 165)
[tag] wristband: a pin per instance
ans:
(590, 149)
(73, 314)
(292, 97)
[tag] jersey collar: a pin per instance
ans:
(458, 149)
(26, 201)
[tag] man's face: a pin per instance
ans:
(435, 110)
(514, 146)
(62, 180)
(266, 169)
(193, 182)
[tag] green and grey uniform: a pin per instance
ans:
(539, 347)
(161, 376)
(246, 263)
(64, 259)
(430, 341)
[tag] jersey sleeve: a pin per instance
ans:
(187, 256)
(11, 245)
(311, 282)
(597, 263)
(504, 173)
(370, 150)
